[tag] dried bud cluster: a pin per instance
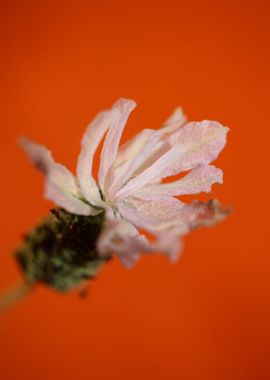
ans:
(61, 250)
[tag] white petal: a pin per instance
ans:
(145, 147)
(113, 137)
(122, 238)
(158, 148)
(192, 145)
(157, 215)
(140, 149)
(203, 214)
(203, 141)
(60, 184)
(175, 121)
(132, 147)
(90, 142)
(160, 218)
(198, 180)
(156, 170)
(171, 244)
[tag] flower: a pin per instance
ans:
(129, 186)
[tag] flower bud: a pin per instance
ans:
(61, 250)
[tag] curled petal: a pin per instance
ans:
(201, 214)
(196, 181)
(169, 219)
(60, 184)
(171, 244)
(113, 137)
(92, 138)
(122, 238)
(160, 218)
(169, 215)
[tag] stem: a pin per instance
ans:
(14, 295)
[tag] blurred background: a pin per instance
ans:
(206, 317)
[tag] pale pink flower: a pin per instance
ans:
(129, 186)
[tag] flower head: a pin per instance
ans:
(130, 185)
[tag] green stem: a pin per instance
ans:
(14, 295)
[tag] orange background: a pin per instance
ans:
(206, 317)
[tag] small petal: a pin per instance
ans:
(196, 181)
(201, 214)
(175, 121)
(92, 138)
(60, 184)
(171, 244)
(113, 137)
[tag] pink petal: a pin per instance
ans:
(60, 184)
(113, 137)
(122, 238)
(203, 141)
(175, 121)
(132, 147)
(167, 214)
(153, 215)
(159, 167)
(171, 244)
(203, 214)
(160, 218)
(196, 181)
(192, 145)
(90, 142)
(169, 219)
(134, 157)
(146, 146)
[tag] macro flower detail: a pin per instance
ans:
(130, 188)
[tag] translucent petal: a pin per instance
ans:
(60, 184)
